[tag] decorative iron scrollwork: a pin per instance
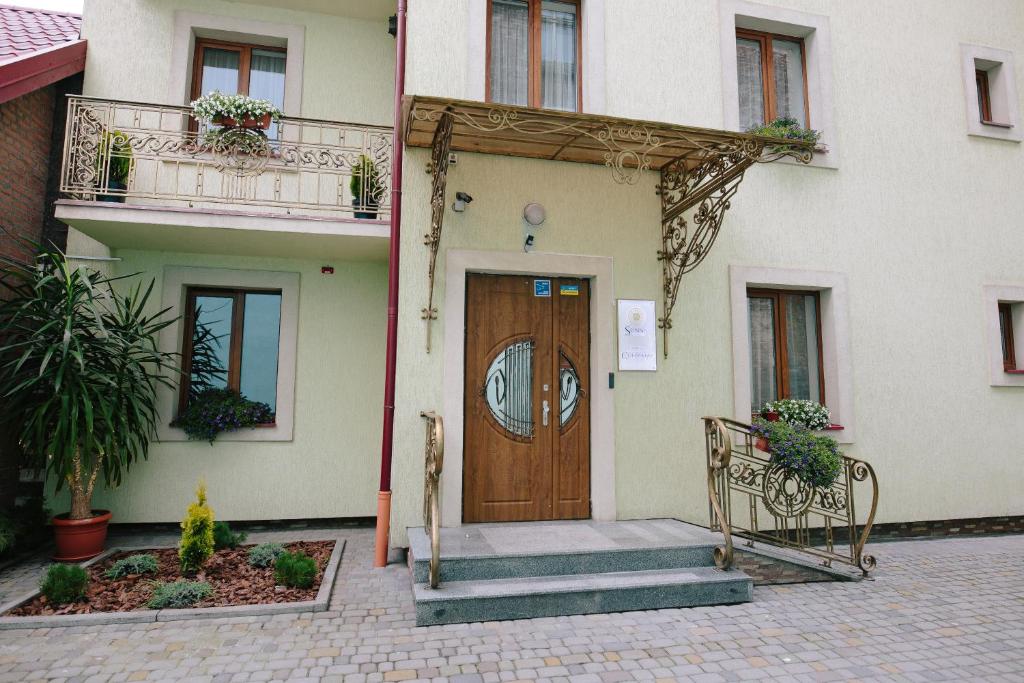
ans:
(719, 453)
(439, 154)
(433, 466)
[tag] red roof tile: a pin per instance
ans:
(24, 30)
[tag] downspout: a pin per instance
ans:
(380, 555)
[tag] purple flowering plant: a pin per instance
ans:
(213, 411)
(815, 459)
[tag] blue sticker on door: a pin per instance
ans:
(542, 287)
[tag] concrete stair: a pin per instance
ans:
(645, 565)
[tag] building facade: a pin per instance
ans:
(882, 279)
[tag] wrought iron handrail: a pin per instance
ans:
(300, 166)
(434, 462)
(737, 469)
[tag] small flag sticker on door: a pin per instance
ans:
(569, 290)
(542, 287)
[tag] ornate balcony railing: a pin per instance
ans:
(434, 462)
(753, 498)
(154, 154)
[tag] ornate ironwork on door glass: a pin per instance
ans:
(569, 389)
(754, 498)
(508, 388)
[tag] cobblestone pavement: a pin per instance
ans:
(938, 610)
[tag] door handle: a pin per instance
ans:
(546, 408)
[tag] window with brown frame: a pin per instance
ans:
(771, 75)
(238, 68)
(984, 98)
(533, 53)
(1006, 335)
(231, 341)
(785, 346)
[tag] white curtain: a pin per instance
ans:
(750, 82)
(558, 67)
(762, 352)
(266, 80)
(802, 346)
(789, 80)
(220, 71)
(510, 52)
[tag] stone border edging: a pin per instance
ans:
(318, 604)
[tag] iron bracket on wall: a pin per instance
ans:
(438, 168)
(703, 181)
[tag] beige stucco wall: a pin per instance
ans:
(329, 468)
(918, 216)
(349, 63)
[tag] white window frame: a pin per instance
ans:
(592, 57)
(993, 295)
(1002, 87)
(817, 37)
(835, 336)
(189, 25)
(177, 279)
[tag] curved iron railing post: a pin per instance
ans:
(434, 463)
(803, 517)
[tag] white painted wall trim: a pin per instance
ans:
(187, 25)
(835, 336)
(176, 279)
(992, 296)
(599, 269)
(593, 57)
(1002, 92)
(814, 29)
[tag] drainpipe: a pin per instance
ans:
(380, 555)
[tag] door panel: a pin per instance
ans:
(524, 351)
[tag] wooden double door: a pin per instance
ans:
(527, 409)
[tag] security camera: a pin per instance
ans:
(461, 199)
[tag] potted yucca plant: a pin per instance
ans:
(79, 369)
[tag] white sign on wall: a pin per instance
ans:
(638, 348)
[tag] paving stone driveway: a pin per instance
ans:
(938, 610)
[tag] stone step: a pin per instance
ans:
(456, 566)
(455, 602)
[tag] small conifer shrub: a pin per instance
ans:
(64, 583)
(295, 570)
(196, 534)
(179, 594)
(264, 554)
(133, 564)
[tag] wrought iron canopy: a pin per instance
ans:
(700, 168)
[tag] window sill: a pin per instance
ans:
(996, 124)
(1011, 371)
(834, 428)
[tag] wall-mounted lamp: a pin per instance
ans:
(534, 215)
(393, 25)
(461, 199)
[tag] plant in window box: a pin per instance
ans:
(366, 188)
(798, 413)
(786, 128)
(235, 111)
(79, 370)
(796, 449)
(114, 162)
(213, 411)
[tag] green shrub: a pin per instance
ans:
(815, 459)
(133, 564)
(213, 411)
(264, 554)
(179, 594)
(224, 537)
(295, 570)
(196, 534)
(64, 583)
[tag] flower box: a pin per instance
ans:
(262, 122)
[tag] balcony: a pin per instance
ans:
(141, 176)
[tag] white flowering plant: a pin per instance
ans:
(800, 412)
(217, 105)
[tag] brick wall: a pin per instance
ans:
(26, 123)
(26, 128)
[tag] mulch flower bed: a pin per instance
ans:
(234, 582)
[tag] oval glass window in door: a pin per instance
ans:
(568, 389)
(508, 388)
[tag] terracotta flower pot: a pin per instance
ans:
(80, 539)
(761, 443)
(770, 415)
(248, 122)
